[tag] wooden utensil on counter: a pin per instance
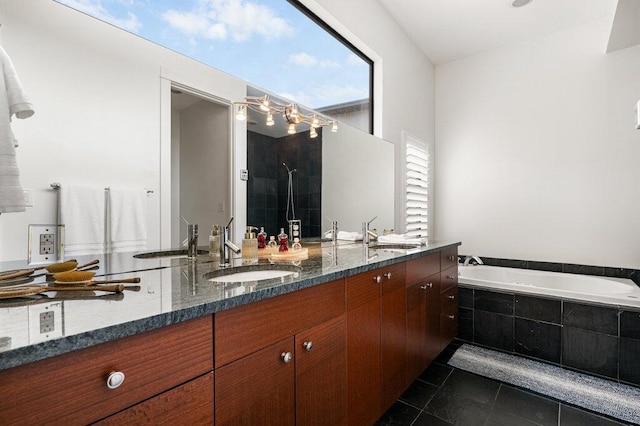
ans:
(8, 293)
(85, 278)
(54, 268)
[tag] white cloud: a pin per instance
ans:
(221, 19)
(96, 9)
(355, 60)
(306, 60)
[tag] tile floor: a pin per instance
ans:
(444, 395)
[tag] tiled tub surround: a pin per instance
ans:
(597, 339)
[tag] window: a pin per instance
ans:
(416, 214)
(278, 45)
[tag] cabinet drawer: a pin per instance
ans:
(422, 267)
(246, 329)
(448, 258)
(449, 302)
(72, 388)
(171, 407)
(393, 277)
(449, 278)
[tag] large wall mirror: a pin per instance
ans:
(104, 112)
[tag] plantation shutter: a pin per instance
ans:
(417, 191)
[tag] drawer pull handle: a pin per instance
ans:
(426, 286)
(377, 279)
(387, 275)
(286, 357)
(308, 345)
(451, 317)
(452, 297)
(451, 277)
(452, 258)
(115, 379)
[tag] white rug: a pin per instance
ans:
(593, 393)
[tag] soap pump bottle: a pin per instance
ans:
(250, 246)
(262, 238)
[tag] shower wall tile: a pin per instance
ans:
(537, 308)
(588, 317)
(490, 301)
(494, 330)
(538, 339)
(629, 365)
(588, 351)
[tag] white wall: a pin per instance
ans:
(537, 152)
(98, 96)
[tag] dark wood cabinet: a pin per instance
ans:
(376, 341)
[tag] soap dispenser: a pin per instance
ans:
(250, 246)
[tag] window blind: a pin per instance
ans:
(417, 191)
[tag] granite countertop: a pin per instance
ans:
(172, 289)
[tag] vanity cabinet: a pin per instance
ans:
(72, 388)
(376, 341)
(282, 361)
(448, 297)
(423, 313)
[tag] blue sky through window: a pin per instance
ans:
(266, 42)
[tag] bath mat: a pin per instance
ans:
(595, 394)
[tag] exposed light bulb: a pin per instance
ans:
(313, 133)
(264, 104)
(314, 122)
(334, 126)
(241, 114)
(270, 121)
(292, 129)
(294, 111)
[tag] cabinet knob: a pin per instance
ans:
(451, 277)
(115, 379)
(387, 275)
(308, 345)
(377, 279)
(452, 297)
(286, 357)
(452, 258)
(426, 286)
(451, 317)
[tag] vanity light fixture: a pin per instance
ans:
(290, 112)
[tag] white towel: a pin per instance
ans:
(345, 236)
(401, 239)
(12, 101)
(127, 220)
(82, 212)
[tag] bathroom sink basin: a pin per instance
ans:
(254, 273)
(166, 254)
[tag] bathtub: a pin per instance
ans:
(613, 291)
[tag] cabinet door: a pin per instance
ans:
(257, 389)
(321, 374)
(433, 318)
(191, 403)
(416, 331)
(393, 341)
(448, 316)
(363, 348)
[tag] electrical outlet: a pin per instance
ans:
(47, 322)
(45, 243)
(244, 174)
(221, 206)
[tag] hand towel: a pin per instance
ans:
(345, 236)
(82, 212)
(401, 239)
(13, 100)
(127, 220)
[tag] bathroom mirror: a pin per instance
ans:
(102, 98)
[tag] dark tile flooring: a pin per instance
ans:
(444, 395)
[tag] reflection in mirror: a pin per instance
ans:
(329, 181)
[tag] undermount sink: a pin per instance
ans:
(253, 273)
(166, 254)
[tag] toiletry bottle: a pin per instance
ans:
(272, 242)
(250, 246)
(283, 239)
(262, 238)
(214, 241)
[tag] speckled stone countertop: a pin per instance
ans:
(172, 289)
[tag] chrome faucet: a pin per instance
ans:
(469, 259)
(192, 241)
(367, 233)
(225, 245)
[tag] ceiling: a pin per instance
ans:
(446, 30)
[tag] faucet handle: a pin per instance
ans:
(374, 218)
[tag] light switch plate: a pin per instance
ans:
(46, 244)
